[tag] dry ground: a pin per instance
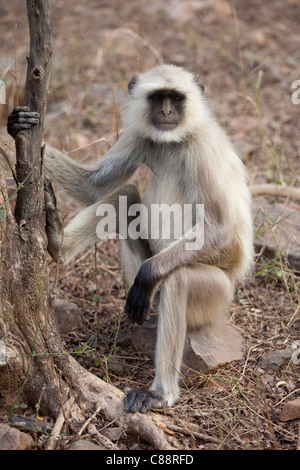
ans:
(247, 54)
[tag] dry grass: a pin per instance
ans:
(236, 406)
(247, 57)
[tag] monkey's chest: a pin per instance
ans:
(164, 189)
(166, 210)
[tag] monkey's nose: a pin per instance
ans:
(166, 111)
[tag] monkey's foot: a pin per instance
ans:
(139, 399)
(53, 224)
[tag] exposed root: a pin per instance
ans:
(93, 395)
(60, 421)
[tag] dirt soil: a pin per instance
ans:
(247, 53)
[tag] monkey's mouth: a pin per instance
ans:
(166, 126)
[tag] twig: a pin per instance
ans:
(102, 139)
(4, 155)
(269, 420)
(16, 73)
(116, 113)
(195, 434)
(245, 93)
(279, 190)
(139, 38)
(286, 397)
(103, 440)
(55, 433)
(89, 419)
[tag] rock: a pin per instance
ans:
(275, 359)
(30, 423)
(205, 349)
(211, 347)
(13, 439)
(84, 445)
(114, 364)
(113, 434)
(69, 316)
(291, 410)
(286, 232)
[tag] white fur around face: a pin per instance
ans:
(166, 77)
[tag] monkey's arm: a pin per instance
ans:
(22, 119)
(88, 184)
(178, 255)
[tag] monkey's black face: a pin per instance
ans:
(166, 109)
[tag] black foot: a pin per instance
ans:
(142, 400)
(53, 224)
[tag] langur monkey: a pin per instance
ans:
(171, 129)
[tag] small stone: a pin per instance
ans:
(13, 439)
(275, 359)
(69, 316)
(113, 434)
(84, 445)
(291, 410)
(287, 231)
(114, 365)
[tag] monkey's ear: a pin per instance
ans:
(199, 83)
(132, 83)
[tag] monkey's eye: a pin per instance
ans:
(157, 98)
(177, 98)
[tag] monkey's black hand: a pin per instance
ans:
(137, 305)
(139, 296)
(53, 224)
(21, 119)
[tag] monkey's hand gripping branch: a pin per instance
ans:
(22, 119)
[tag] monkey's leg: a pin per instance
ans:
(84, 230)
(134, 252)
(210, 293)
(194, 296)
(169, 348)
(80, 233)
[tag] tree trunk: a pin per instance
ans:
(25, 312)
(34, 368)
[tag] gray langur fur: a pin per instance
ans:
(192, 162)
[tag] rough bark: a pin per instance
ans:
(26, 315)
(33, 364)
